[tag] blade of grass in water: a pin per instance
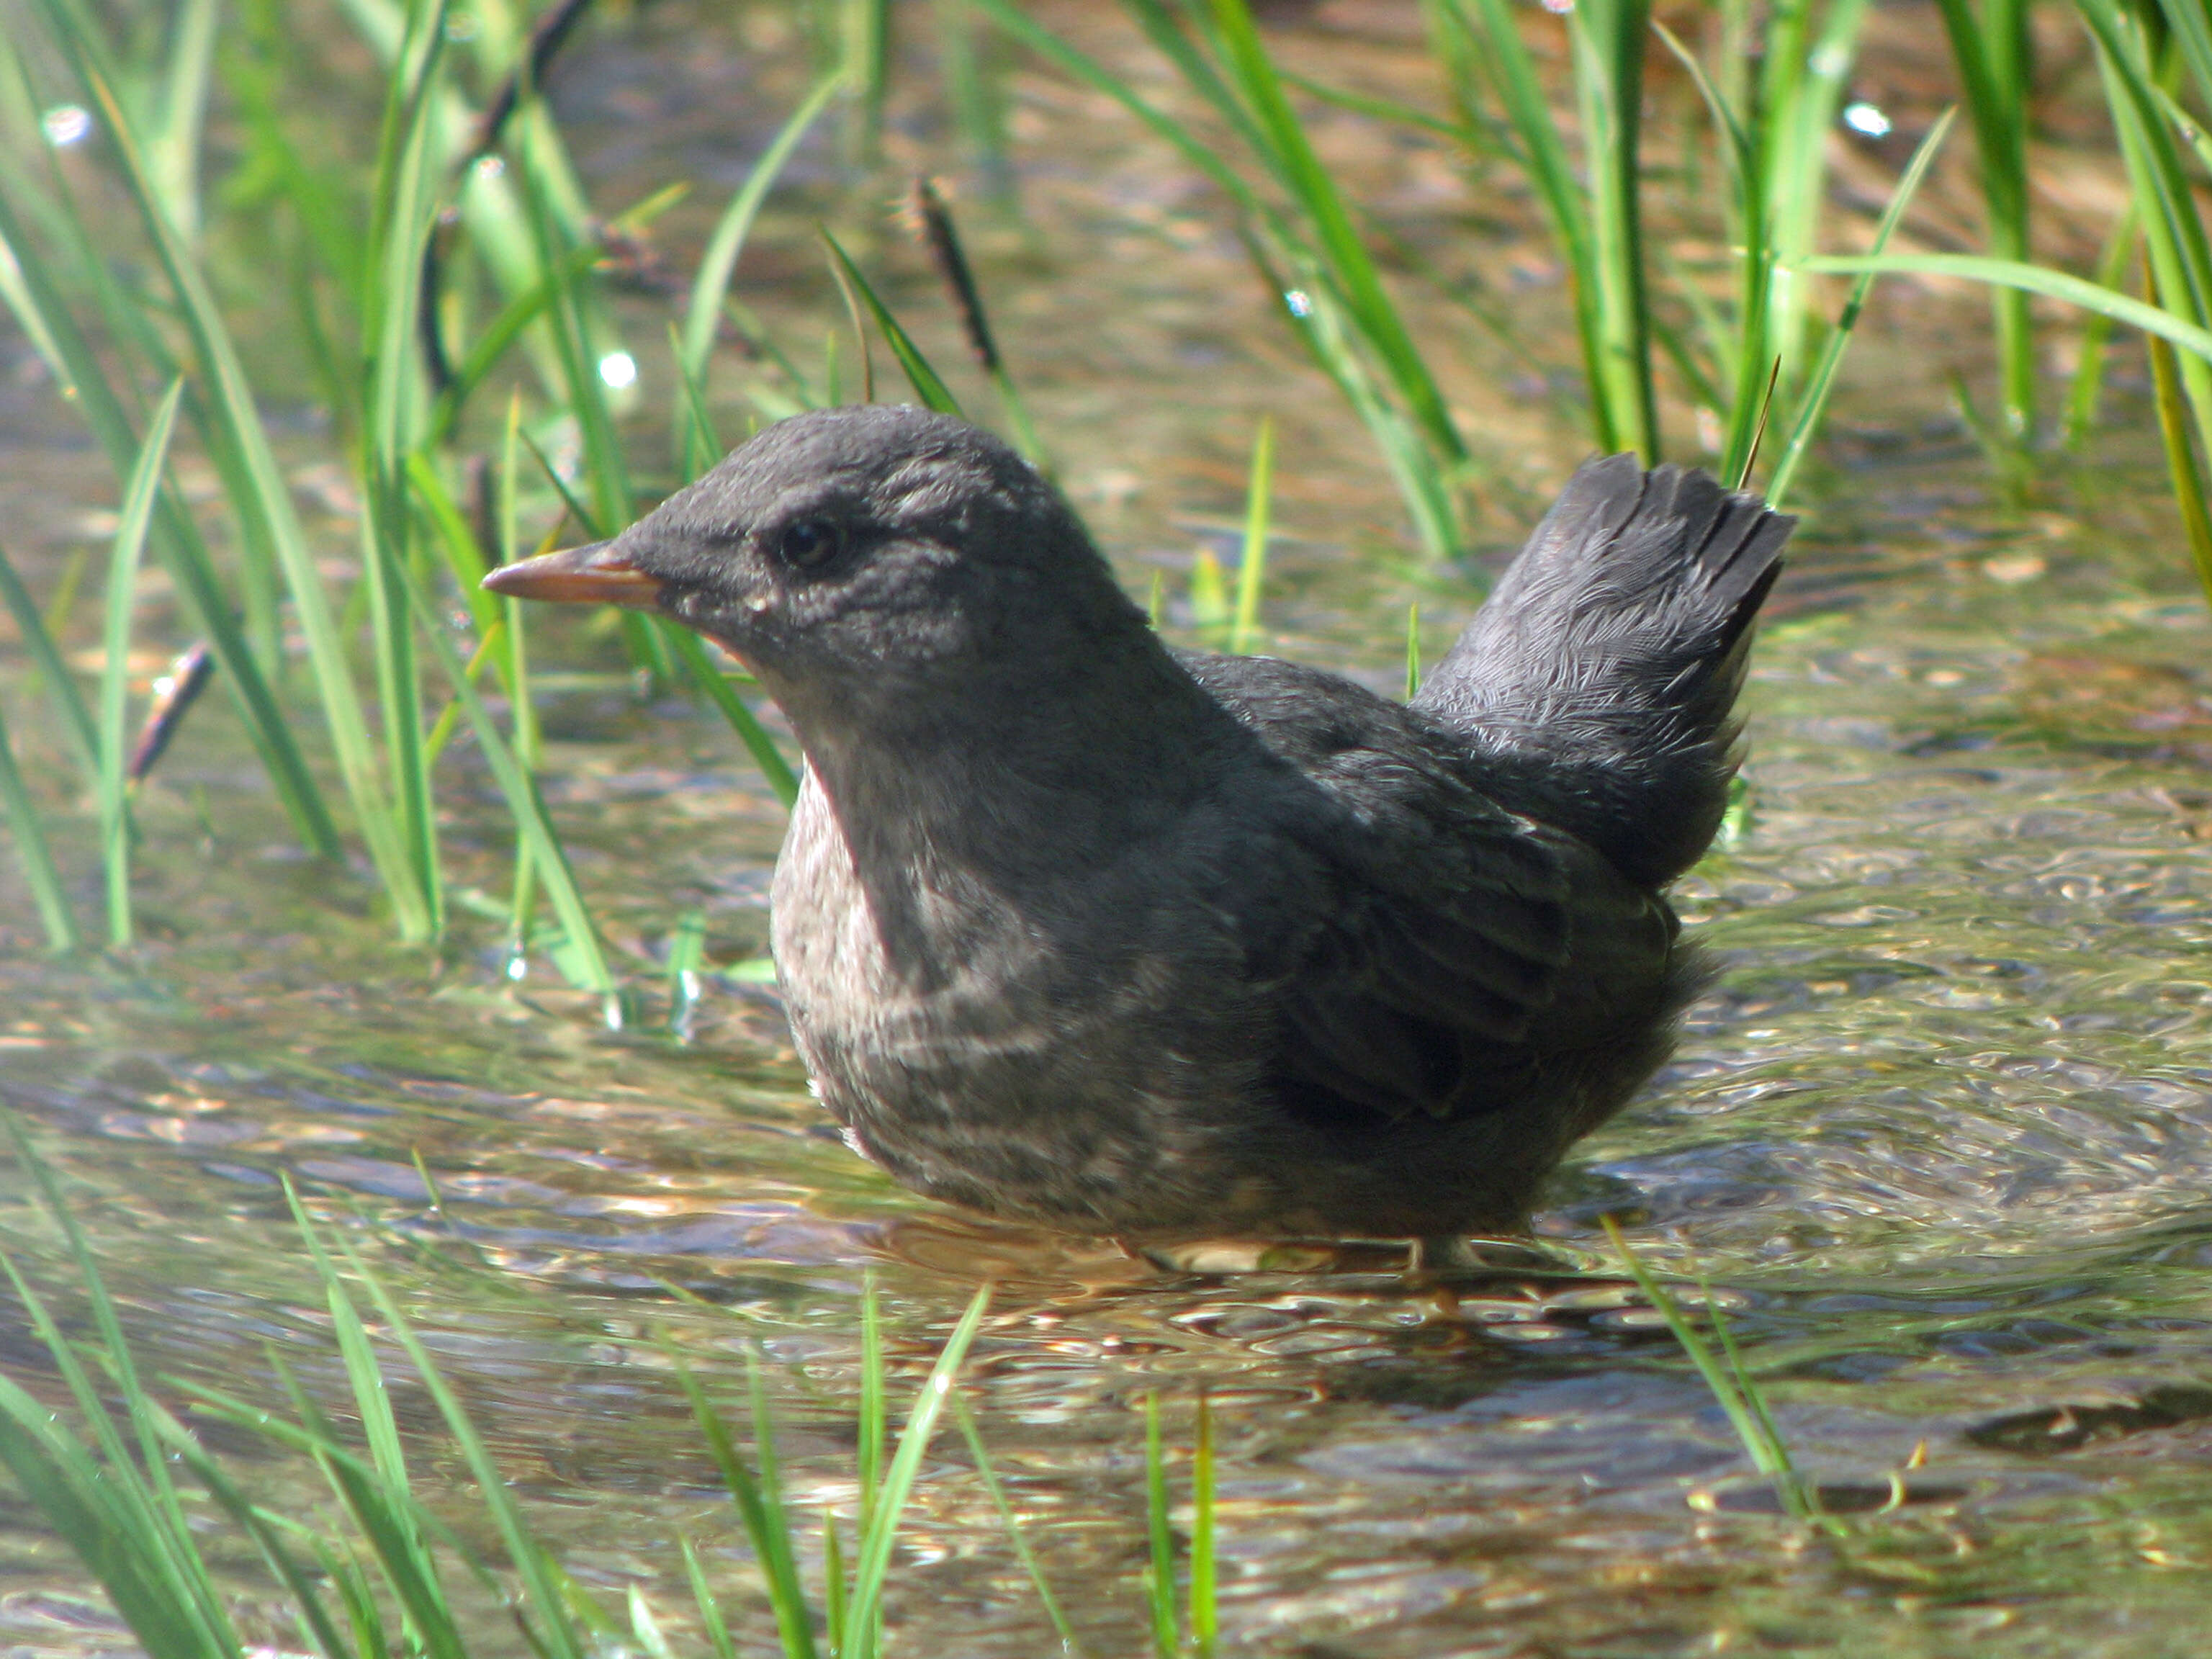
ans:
(583, 370)
(234, 425)
(2097, 333)
(2156, 144)
(2032, 279)
(710, 1612)
(554, 1633)
(83, 380)
(1412, 651)
(1251, 569)
(719, 264)
(34, 856)
(402, 217)
(759, 1504)
(1815, 402)
(130, 544)
(927, 384)
(1016, 1534)
(172, 145)
(1732, 1388)
(2181, 461)
(1160, 1573)
(1992, 54)
(527, 807)
(875, 1424)
(872, 1559)
(1742, 351)
(1332, 297)
(117, 1505)
(1205, 1617)
(1323, 205)
(47, 659)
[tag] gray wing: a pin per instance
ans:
(1454, 945)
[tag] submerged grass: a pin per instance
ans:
(129, 1487)
(1732, 1386)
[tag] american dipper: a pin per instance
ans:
(1078, 929)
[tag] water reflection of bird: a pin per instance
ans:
(1078, 929)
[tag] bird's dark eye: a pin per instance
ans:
(809, 544)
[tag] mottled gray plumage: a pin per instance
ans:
(1079, 930)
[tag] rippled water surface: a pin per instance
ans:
(1941, 1136)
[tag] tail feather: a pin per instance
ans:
(1598, 681)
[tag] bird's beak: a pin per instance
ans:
(594, 574)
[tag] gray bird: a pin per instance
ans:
(1080, 930)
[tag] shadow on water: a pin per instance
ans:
(1943, 1132)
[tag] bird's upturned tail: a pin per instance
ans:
(1598, 681)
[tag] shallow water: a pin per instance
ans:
(1941, 1136)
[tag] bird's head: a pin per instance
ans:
(855, 557)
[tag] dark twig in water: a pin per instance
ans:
(174, 694)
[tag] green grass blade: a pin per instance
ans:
(35, 855)
(1349, 263)
(875, 1418)
(172, 147)
(759, 1505)
(1550, 170)
(235, 421)
(267, 1532)
(1607, 38)
(835, 1588)
(1016, 1534)
(1251, 569)
(2181, 461)
(873, 1560)
(1822, 382)
(554, 1629)
(1731, 1388)
(112, 1535)
(719, 264)
(46, 659)
(698, 445)
(1160, 1571)
(135, 517)
(1205, 1615)
(1991, 52)
(498, 338)
(84, 380)
(527, 807)
(2032, 279)
(2096, 331)
(134, 1489)
(710, 1611)
(927, 384)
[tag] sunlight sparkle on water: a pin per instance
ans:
(65, 124)
(1866, 119)
(618, 369)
